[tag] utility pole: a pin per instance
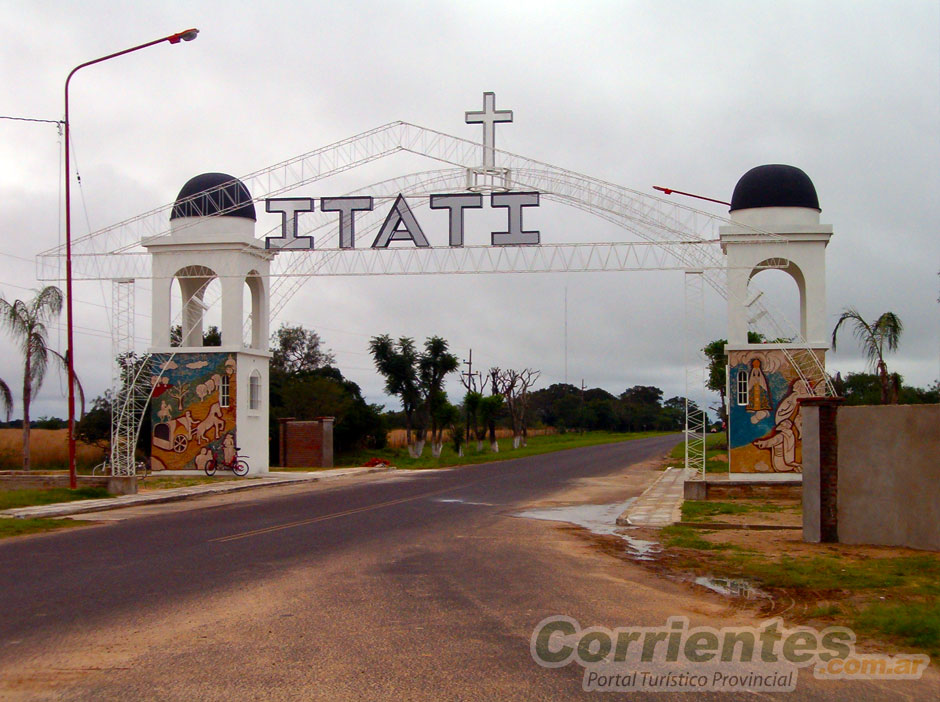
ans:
(566, 335)
(471, 387)
(582, 405)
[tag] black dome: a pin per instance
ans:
(210, 199)
(774, 185)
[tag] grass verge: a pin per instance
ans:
(537, 445)
(703, 510)
(873, 590)
(17, 527)
(715, 445)
(27, 498)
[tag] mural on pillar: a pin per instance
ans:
(765, 423)
(192, 409)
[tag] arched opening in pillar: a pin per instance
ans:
(254, 310)
(194, 307)
(782, 290)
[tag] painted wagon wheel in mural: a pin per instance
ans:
(180, 443)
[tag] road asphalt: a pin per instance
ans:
(422, 585)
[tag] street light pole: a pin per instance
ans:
(186, 35)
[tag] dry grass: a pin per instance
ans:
(48, 450)
(396, 437)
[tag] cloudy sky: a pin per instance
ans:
(688, 95)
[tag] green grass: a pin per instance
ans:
(703, 510)
(827, 610)
(914, 623)
(895, 597)
(18, 527)
(537, 445)
(678, 536)
(714, 445)
(26, 498)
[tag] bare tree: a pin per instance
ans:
(505, 382)
(527, 378)
(514, 386)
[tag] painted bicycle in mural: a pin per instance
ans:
(229, 460)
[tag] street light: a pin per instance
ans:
(185, 35)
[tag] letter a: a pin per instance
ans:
(399, 215)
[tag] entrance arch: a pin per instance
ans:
(687, 237)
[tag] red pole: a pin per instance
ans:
(670, 191)
(186, 35)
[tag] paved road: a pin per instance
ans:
(418, 586)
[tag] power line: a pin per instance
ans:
(33, 119)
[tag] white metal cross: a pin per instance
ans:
(488, 118)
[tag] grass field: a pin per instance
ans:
(537, 445)
(48, 450)
(397, 438)
(716, 453)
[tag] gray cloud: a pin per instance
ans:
(688, 95)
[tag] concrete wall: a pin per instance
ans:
(889, 475)
(10, 480)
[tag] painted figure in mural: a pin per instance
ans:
(758, 393)
(230, 365)
(213, 422)
(165, 412)
(187, 422)
(202, 458)
(781, 441)
(228, 448)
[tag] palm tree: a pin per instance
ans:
(26, 323)
(6, 398)
(433, 366)
(873, 338)
(397, 363)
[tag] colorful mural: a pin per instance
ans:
(193, 409)
(765, 423)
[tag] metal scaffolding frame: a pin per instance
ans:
(696, 417)
(670, 236)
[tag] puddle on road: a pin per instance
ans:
(732, 588)
(602, 519)
(598, 519)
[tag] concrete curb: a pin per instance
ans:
(67, 509)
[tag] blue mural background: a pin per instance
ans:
(743, 431)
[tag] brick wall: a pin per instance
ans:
(753, 490)
(306, 444)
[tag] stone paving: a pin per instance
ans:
(68, 509)
(660, 504)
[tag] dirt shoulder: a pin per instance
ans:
(887, 595)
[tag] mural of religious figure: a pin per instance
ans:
(758, 393)
(781, 441)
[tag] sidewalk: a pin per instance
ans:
(68, 509)
(660, 504)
